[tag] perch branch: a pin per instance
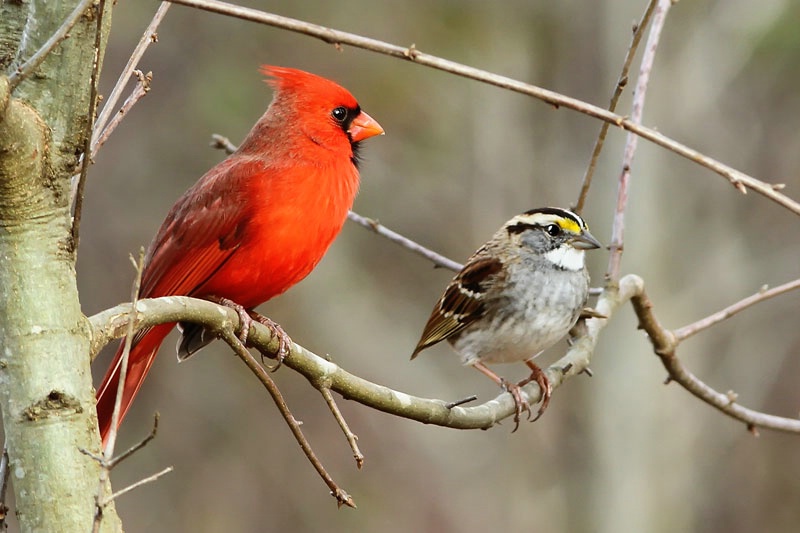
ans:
(112, 323)
(735, 177)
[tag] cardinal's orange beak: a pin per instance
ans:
(364, 127)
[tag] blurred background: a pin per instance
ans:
(617, 452)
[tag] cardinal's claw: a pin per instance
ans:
(284, 341)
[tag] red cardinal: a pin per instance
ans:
(258, 222)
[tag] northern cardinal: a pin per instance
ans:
(258, 222)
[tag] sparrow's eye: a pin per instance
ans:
(339, 114)
(554, 230)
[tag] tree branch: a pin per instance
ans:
(738, 179)
(112, 323)
(639, 94)
(687, 331)
(622, 82)
(665, 344)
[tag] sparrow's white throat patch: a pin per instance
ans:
(566, 257)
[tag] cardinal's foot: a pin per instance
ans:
(284, 341)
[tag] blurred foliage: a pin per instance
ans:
(617, 452)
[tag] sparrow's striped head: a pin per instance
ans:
(560, 235)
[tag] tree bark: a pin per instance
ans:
(46, 391)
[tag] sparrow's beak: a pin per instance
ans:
(364, 127)
(585, 241)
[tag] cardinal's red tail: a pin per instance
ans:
(143, 353)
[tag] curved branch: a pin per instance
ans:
(112, 323)
(738, 179)
(665, 344)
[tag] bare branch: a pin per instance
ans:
(622, 82)
(639, 95)
(108, 452)
(665, 343)
(735, 177)
(149, 36)
(136, 447)
(711, 320)
(141, 88)
(30, 66)
(113, 323)
(77, 205)
(138, 484)
(4, 472)
(352, 438)
(227, 334)
(373, 225)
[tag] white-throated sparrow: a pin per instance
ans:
(516, 296)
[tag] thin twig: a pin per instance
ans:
(148, 479)
(108, 452)
(737, 178)
(141, 88)
(622, 82)
(136, 447)
(30, 66)
(4, 472)
(149, 36)
(665, 343)
(101, 501)
(77, 200)
(226, 333)
(221, 142)
(639, 94)
(373, 225)
(106, 458)
(352, 438)
(711, 320)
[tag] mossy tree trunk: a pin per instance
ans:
(46, 391)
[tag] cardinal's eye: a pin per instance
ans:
(554, 230)
(339, 114)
